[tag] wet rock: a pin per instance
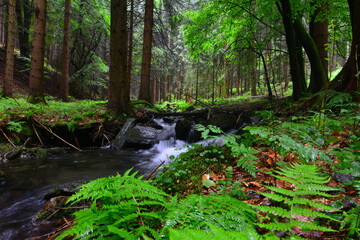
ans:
(54, 204)
(183, 128)
(38, 152)
(2, 178)
(144, 134)
(56, 150)
(141, 137)
(225, 122)
(339, 177)
(120, 138)
(64, 190)
(13, 154)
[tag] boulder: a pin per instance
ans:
(183, 128)
(143, 135)
(225, 122)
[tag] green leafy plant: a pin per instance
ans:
(242, 152)
(351, 222)
(197, 212)
(16, 126)
(213, 233)
(296, 208)
(183, 175)
(121, 207)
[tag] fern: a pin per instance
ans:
(295, 205)
(351, 222)
(123, 207)
(196, 212)
(213, 233)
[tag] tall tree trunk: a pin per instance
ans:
(37, 54)
(319, 31)
(144, 92)
(349, 77)
(119, 91)
(24, 11)
(131, 42)
(10, 45)
(64, 84)
(296, 63)
(307, 42)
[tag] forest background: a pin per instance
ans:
(195, 49)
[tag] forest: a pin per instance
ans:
(169, 119)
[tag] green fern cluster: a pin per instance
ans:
(197, 212)
(121, 207)
(213, 233)
(242, 152)
(295, 208)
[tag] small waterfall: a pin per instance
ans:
(166, 149)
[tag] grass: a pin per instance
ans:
(52, 113)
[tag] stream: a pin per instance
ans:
(28, 180)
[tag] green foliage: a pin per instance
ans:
(15, 126)
(196, 211)
(351, 222)
(183, 175)
(244, 154)
(17, 111)
(213, 233)
(175, 106)
(304, 136)
(295, 208)
(123, 207)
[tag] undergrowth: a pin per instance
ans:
(283, 168)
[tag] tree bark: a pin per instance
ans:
(296, 63)
(144, 92)
(131, 42)
(10, 45)
(348, 78)
(319, 31)
(64, 84)
(119, 91)
(24, 11)
(307, 42)
(37, 54)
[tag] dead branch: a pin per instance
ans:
(57, 136)
(8, 139)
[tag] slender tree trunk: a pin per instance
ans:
(64, 84)
(296, 63)
(144, 92)
(24, 11)
(36, 80)
(131, 40)
(10, 45)
(307, 42)
(319, 32)
(349, 77)
(119, 91)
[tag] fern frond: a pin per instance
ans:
(276, 226)
(307, 182)
(310, 203)
(309, 213)
(275, 197)
(306, 226)
(120, 206)
(278, 211)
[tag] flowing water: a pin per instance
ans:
(28, 180)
